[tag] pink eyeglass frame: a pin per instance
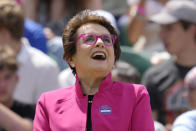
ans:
(114, 37)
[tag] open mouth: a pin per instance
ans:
(99, 56)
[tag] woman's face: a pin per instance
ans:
(93, 58)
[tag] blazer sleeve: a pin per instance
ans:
(41, 120)
(141, 119)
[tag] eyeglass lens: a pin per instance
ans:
(92, 38)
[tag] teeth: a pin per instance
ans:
(100, 54)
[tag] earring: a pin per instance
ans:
(72, 65)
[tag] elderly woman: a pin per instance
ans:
(95, 102)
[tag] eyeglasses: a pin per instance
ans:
(91, 39)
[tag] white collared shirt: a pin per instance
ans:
(66, 78)
(38, 73)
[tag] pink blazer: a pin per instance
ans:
(116, 107)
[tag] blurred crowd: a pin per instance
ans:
(157, 50)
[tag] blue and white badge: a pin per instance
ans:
(105, 110)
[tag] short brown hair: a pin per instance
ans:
(84, 17)
(12, 18)
(8, 59)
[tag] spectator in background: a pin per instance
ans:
(50, 13)
(123, 71)
(165, 81)
(14, 115)
(38, 73)
(116, 7)
(35, 34)
(142, 33)
(54, 14)
(140, 11)
(187, 120)
(136, 59)
(33, 31)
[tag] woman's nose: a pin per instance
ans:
(99, 43)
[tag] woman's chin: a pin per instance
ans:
(101, 68)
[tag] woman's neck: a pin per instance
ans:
(90, 85)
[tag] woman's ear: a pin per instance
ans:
(71, 62)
